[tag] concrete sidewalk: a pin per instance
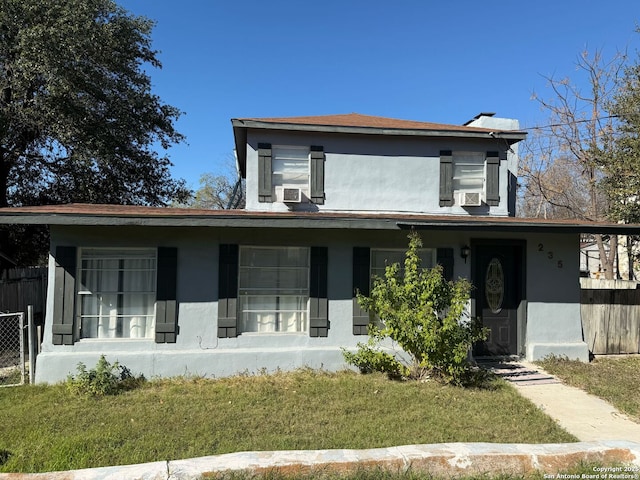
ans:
(446, 460)
(587, 417)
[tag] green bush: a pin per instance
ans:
(426, 316)
(104, 379)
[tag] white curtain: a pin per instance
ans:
(138, 301)
(117, 294)
(274, 289)
(468, 171)
(274, 313)
(291, 167)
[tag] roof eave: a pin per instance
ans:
(525, 227)
(243, 219)
(509, 136)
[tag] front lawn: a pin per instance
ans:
(46, 428)
(614, 379)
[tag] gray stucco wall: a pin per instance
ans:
(552, 326)
(512, 154)
(553, 284)
(368, 173)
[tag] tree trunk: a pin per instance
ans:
(607, 261)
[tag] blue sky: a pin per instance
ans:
(426, 60)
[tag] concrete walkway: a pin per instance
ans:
(587, 417)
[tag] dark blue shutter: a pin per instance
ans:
(317, 175)
(361, 284)
(318, 298)
(264, 173)
(446, 178)
(228, 291)
(493, 179)
(445, 258)
(166, 295)
(64, 296)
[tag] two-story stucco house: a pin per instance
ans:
(329, 200)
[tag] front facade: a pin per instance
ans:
(330, 201)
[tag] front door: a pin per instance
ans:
(498, 281)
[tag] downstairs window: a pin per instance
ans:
(117, 293)
(381, 258)
(274, 289)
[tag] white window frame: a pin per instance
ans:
(294, 154)
(247, 291)
(143, 326)
(462, 159)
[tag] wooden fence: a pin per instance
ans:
(611, 320)
(24, 286)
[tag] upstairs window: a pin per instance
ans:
(290, 168)
(469, 179)
(298, 170)
(468, 172)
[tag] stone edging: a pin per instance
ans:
(447, 459)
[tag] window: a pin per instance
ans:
(368, 262)
(468, 172)
(381, 258)
(472, 177)
(117, 293)
(274, 289)
(290, 167)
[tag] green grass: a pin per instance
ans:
(47, 428)
(614, 379)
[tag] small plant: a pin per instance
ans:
(104, 379)
(426, 316)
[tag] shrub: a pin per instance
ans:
(423, 314)
(104, 379)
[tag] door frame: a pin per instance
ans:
(521, 268)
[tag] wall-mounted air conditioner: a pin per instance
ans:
(288, 195)
(470, 199)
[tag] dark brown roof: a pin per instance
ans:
(357, 123)
(369, 121)
(85, 214)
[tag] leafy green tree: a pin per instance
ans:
(78, 120)
(425, 315)
(620, 162)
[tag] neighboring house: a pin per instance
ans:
(329, 200)
(591, 267)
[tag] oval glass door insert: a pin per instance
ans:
(494, 285)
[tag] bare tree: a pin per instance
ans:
(219, 192)
(561, 169)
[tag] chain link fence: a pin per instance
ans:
(12, 349)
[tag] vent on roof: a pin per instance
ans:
(469, 199)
